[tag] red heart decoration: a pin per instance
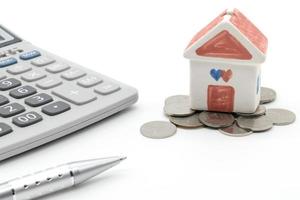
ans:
(226, 75)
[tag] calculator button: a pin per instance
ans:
(27, 119)
(19, 50)
(9, 83)
(89, 81)
(11, 109)
(18, 69)
(7, 62)
(22, 92)
(107, 88)
(3, 54)
(38, 100)
(12, 51)
(33, 76)
(4, 129)
(42, 61)
(3, 100)
(49, 83)
(73, 74)
(57, 67)
(74, 94)
(30, 55)
(56, 108)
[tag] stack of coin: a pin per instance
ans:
(180, 114)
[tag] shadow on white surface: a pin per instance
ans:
(100, 180)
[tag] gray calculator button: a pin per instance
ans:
(12, 51)
(33, 76)
(22, 92)
(4, 129)
(3, 54)
(27, 119)
(56, 108)
(42, 61)
(57, 67)
(18, 69)
(74, 94)
(107, 88)
(73, 74)
(9, 83)
(11, 109)
(89, 81)
(48, 83)
(38, 100)
(3, 100)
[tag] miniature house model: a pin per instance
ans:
(225, 59)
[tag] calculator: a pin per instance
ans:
(44, 97)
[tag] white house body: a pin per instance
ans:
(225, 59)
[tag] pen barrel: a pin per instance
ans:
(40, 183)
(5, 192)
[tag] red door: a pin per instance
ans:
(220, 98)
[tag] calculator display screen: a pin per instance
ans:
(7, 38)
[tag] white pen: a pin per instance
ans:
(54, 179)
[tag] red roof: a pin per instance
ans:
(224, 45)
(244, 25)
(207, 28)
(249, 30)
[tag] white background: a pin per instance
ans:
(141, 43)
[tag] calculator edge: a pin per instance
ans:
(55, 136)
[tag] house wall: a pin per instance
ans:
(244, 80)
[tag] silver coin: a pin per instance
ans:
(235, 131)
(178, 99)
(281, 117)
(261, 110)
(267, 95)
(158, 129)
(187, 122)
(216, 120)
(256, 124)
(179, 109)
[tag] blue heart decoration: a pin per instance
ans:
(216, 74)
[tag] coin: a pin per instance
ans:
(281, 117)
(179, 109)
(187, 122)
(216, 120)
(261, 110)
(158, 129)
(235, 131)
(178, 99)
(267, 95)
(256, 124)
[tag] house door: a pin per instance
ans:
(220, 98)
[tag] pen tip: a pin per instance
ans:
(84, 170)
